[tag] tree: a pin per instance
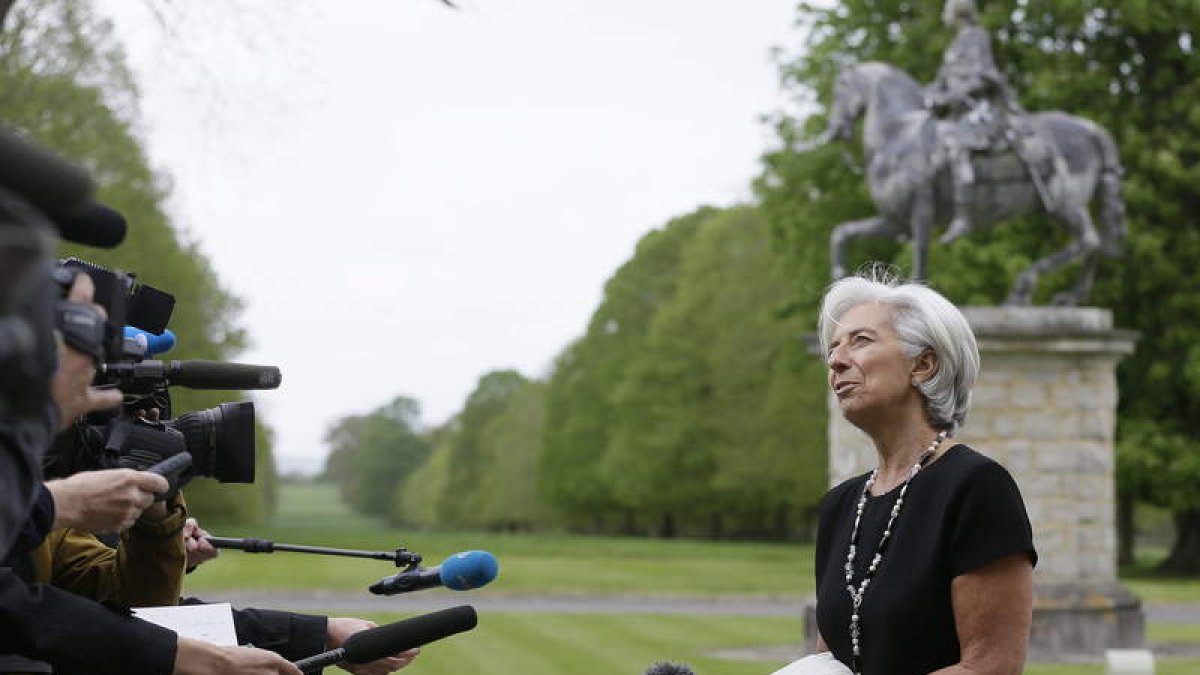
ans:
(580, 405)
(460, 503)
(1130, 67)
(510, 447)
(65, 82)
(417, 499)
(765, 392)
(687, 409)
(372, 454)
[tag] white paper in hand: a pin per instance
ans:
(211, 623)
(815, 664)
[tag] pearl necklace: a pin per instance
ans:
(856, 595)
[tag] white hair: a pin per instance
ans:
(923, 319)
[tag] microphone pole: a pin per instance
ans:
(401, 556)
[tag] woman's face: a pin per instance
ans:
(868, 371)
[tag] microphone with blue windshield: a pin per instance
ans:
(460, 572)
(151, 344)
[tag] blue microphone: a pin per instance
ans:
(460, 572)
(150, 342)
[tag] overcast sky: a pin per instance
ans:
(408, 196)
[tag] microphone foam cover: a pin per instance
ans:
(155, 344)
(93, 225)
(469, 569)
(40, 176)
(376, 643)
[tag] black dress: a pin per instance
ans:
(960, 513)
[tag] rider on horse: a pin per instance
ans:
(975, 96)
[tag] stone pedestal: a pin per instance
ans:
(1045, 408)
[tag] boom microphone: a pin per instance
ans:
(93, 225)
(377, 643)
(41, 177)
(199, 374)
(460, 572)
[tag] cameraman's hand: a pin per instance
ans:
(339, 629)
(104, 501)
(196, 545)
(71, 387)
(194, 657)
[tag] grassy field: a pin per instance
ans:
(544, 563)
(507, 643)
(529, 563)
(588, 644)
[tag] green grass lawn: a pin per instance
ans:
(590, 644)
(1152, 586)
(543, 563)
(529, 563)
(507, 643)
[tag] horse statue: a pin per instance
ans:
(909, 179)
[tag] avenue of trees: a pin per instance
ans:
(65, 82)
(689, 405)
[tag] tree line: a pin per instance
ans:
(689, 407)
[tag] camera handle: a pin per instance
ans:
(401, 556)
(172, 468)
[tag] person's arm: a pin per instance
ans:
(77, 635)
(993, 612)
(145, 570)
(104, 501)
(195, 657)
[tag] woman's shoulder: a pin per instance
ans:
(849, 489)
(967, 468)
(966, 461)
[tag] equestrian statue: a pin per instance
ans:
(964, 152)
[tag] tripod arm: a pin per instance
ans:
(401, 556)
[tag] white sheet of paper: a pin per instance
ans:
(211, 623)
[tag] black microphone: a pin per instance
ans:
(93, 225)
(41, 177)
(377, 643)
(199, 374)
(665, 668)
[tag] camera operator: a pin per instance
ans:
(74, 634)
(42, 389)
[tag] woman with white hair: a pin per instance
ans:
(925, 564)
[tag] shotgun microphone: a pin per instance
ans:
(377, 643)
(199, 374)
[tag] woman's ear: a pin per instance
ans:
(925, 366)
